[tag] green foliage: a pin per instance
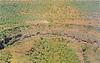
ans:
(84, 49)
(47, 51)
(11, 17)
(11, 31)
(87, 6)
(5, 57)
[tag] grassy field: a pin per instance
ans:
(49, 31)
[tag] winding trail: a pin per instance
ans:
(70, 29)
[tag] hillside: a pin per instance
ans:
(49, 31)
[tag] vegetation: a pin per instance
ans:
(50, 51)
(84, 49)
(41, 42)
(5, 57)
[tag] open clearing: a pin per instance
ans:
(49, 31)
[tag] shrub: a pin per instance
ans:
(46, 51)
